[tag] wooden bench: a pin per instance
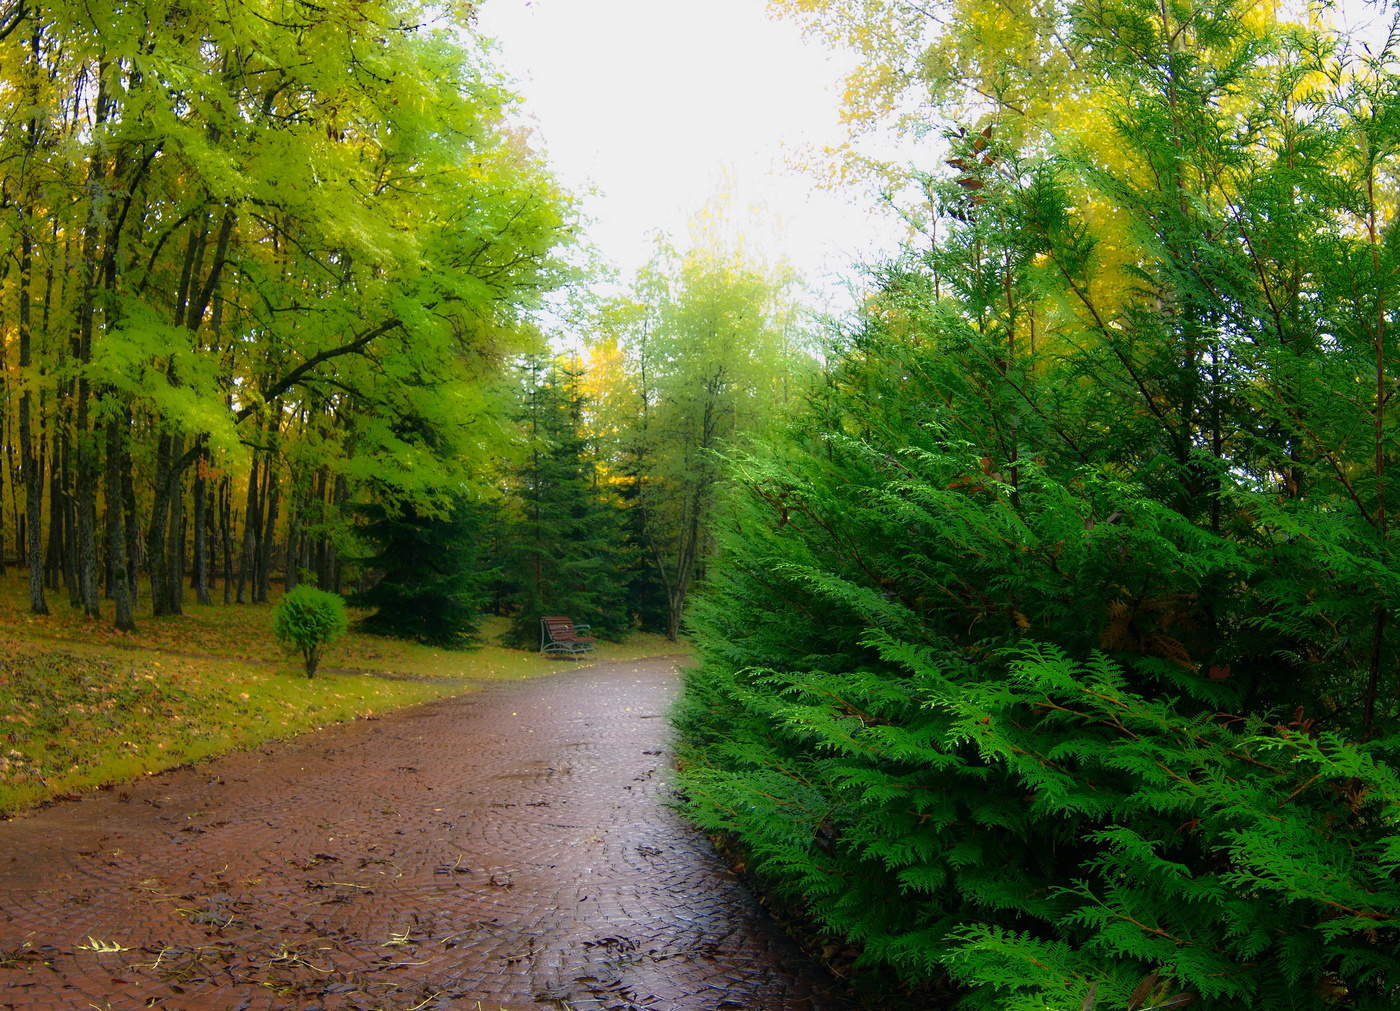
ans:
(561, 637)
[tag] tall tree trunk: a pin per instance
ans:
(15, 477)
(9, 449)
(157, 557)
(202, 527)
(33, 486)
(131, 523)
(291, 573)
(9, 446)
(70, 534)
(200, 546)
(29, 464)
(166, 533)
(163, 527)
(85, 490)
(58, 557)
(342, 495)
(226, 534)
(322, 560)
(87, 513)
(252, 521)
(174, 584)
(685, 570)
(56, 554)
(1381, 614)
(117, 465)
(266, 541)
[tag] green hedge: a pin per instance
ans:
(990, 810)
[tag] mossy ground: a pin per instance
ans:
(83, 706)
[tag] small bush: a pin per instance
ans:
(308, 620)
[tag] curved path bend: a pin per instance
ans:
(509, 849)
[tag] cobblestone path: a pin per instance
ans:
(507, 849)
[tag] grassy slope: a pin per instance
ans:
(82, 705)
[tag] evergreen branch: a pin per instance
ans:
(1309, 782)
(1155, 931)
(1112, 344)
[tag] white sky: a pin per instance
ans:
(648, 107)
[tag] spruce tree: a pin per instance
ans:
(568, 550)
(431, 585)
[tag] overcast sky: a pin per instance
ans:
(651, 107)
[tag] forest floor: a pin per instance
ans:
(83, 705)
(507, 849)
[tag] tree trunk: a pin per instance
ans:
(174, 586)
(13, 469)
(117, 465)
(265, 542)
(251, 523)
(157, 559)
(290, 573)
(131, 523)
(29, 464)
(85, 490)
(70, 538)
(87, 514)
(321, 563)
(60, 555)
(166, 535)
(9, 449)
(226, 534)
(342, 495)
(201, 532)
(33, 479)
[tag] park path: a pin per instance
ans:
(509, 849)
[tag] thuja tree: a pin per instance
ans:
(1052, 648)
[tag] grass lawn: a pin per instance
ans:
(82, 705)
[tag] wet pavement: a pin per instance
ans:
(509, 849)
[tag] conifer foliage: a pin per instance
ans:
(1055, 646)
(567, 549)
(430, 583)
(880, 722)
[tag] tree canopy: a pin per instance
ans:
(257, 254)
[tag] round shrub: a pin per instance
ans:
(308, 620)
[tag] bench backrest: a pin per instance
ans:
(560, 629)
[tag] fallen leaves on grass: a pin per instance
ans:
(77, 718)
(82, 705)
(58, 704)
